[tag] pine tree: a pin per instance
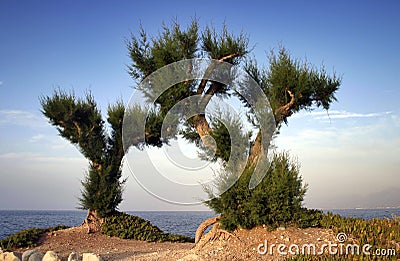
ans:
(290, 85)
(80, 122)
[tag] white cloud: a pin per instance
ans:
(336, 114)
(1, 83)
(21, 118)
(346, 115)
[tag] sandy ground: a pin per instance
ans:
(239, 245)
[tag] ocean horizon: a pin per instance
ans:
(176, 222)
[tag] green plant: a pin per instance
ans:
(80, 122)
(276, 201)
(27, 237)
(127, 226)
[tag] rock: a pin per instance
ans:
(36, 257)
(51, 256)
(281, 228)
(8, 256)
(91, 257)
(27, 254)
(73, 257)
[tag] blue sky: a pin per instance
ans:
(348, 159)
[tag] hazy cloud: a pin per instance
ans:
(21, 118)
(344, 161)
(1, 83)
(52, 141)
(37, 138)
(38, 158)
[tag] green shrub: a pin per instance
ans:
(276, 201)
(379, 233)
(27, 237)
(127, 226)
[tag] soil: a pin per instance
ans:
(239, 245)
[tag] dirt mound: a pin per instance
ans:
(239, 245)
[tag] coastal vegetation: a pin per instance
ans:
(27, 237)
(127, 226)
(290, 85)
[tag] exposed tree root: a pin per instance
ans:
(92, 222)
(214, 234)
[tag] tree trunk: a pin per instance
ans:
(203, 129)
(92, 222)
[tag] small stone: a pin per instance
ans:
(36, 257)
(281, 228)
(287, 239)
(9, 256)
(319, 239)
(91, 257)
(73, 257)
(51, 256)
(282, 236)
(27, 254)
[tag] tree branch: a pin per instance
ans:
(77, 128)
(234, 55)
(200, 122)
(284, 111)
(204, 81)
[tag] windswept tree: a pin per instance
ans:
(80, 122)
(290, 85)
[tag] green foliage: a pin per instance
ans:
(126, 226)
(276, 201)
(290, 85)
(27, 237)
(171, 45)
(305, 218)
(379, 233)
(308, 85)
(79, 121)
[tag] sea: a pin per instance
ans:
(176, 222)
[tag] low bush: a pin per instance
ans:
(276, 201)
(27, 237)
(127, 226)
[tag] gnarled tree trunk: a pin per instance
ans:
(92, 222)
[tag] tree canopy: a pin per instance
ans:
(289, 84)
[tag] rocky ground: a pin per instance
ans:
(239, 245)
